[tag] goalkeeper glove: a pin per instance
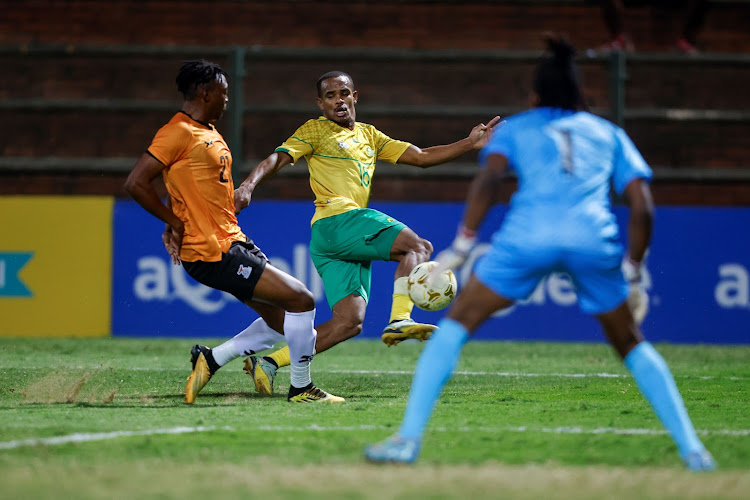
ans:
(637, 298)
(454, 256)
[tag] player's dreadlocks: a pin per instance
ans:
(193, 74)
(556, 79)
(331, 74)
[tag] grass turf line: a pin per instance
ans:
(116, 385)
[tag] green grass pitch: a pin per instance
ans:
(105, 418)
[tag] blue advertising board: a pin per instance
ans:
(698, 277)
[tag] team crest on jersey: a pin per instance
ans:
(369, 152)
(343, 145)
(244, 271)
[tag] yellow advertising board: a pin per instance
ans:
(55, 266)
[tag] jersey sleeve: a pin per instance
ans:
(501, 143)
(388, 149)
(628, 163)
(170, 143)
(300, 144)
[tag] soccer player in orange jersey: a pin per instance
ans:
(202, 233)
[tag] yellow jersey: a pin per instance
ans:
(198, 178)
(341, 162)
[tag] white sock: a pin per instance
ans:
(401, 286)
(255, 338)
(300, 375)
(300, 336)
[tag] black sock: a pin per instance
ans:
(211, 361)
(293, 391)
(212, 366)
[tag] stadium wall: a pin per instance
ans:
(57, 148)
(477, 24)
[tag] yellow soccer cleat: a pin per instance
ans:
(404, 329)
(312, 394)
(201, 373)
(262, 372)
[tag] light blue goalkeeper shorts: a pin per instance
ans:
(514, 271)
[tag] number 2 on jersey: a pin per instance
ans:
(224, 160)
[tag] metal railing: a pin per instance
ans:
(239, 57)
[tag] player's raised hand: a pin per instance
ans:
(242, 197)
(481, 134)
(454, 256)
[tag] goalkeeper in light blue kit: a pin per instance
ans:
(559, 220)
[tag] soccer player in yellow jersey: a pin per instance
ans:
(346, 235)
(202, 233)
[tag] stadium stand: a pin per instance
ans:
(85, 95)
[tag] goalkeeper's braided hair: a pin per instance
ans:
(195, 73)
(556, 79)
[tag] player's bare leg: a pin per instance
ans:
(348, 318)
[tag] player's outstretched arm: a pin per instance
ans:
(264, 170)
(436, 155)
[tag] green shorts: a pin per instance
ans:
(343, 247)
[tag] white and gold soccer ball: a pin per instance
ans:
(435, 295)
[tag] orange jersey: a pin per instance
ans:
(199, 181)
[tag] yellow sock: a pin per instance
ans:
(281, 357)
(402, 304)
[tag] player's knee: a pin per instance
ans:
(423, 249)
(303, 301)
(354, 330)
(350, 327)
(428, 248)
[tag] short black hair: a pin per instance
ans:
(556, 79)
(331, 74)
(195, 73)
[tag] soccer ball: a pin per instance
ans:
(438, 294)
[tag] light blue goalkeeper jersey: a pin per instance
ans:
(565, 162)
